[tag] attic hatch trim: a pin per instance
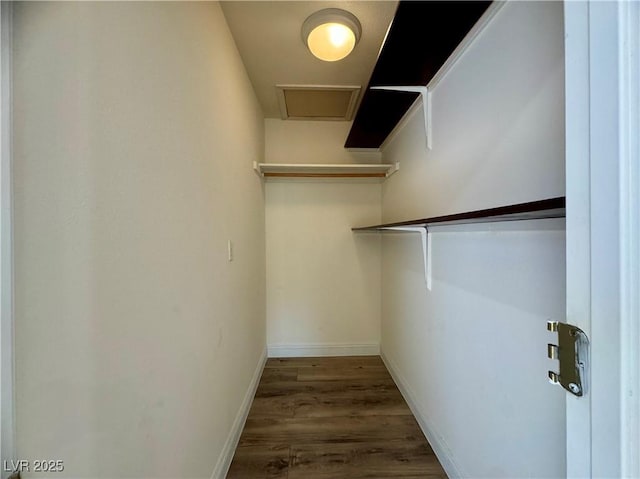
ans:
(349, 112)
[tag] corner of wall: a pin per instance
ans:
(226, 456)
(439, 446)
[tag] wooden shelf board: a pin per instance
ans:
(549, 208)
(401, 63)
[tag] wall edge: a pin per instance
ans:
(226, 456)
(440, 448)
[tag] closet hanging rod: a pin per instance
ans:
(324, 175)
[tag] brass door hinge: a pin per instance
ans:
(572, 353)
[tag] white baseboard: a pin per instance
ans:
(226, 456)
(443, 452)
(322, 349)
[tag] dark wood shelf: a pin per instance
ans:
(422, 37)
(534, 210)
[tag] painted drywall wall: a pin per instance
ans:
(471, 352)
(136, 339)
(323, 282)
(294, 141)
(498, 122)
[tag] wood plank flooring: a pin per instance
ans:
(332, 417)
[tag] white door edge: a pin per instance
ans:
(576, 19)
(603, 211)
(7, 402)
(629, 15)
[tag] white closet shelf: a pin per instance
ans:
(297, 170)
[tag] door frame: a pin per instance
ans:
(603, 211)
(629, 40)
(7, 376)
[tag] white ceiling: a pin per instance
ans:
(267, 34)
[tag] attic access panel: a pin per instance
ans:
(421, 38)
(317, 102)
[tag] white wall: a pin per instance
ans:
(498, 123)
(323, 282)
(295, 141)
(136, 340)
(471, 353)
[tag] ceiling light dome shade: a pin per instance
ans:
(331, 34)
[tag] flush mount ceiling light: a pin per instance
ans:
(331, 34)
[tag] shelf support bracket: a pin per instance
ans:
(425, 93)
(256, 168)
(426, 247)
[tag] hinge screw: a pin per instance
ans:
(574, 388)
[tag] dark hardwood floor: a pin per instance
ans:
(338, 417)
